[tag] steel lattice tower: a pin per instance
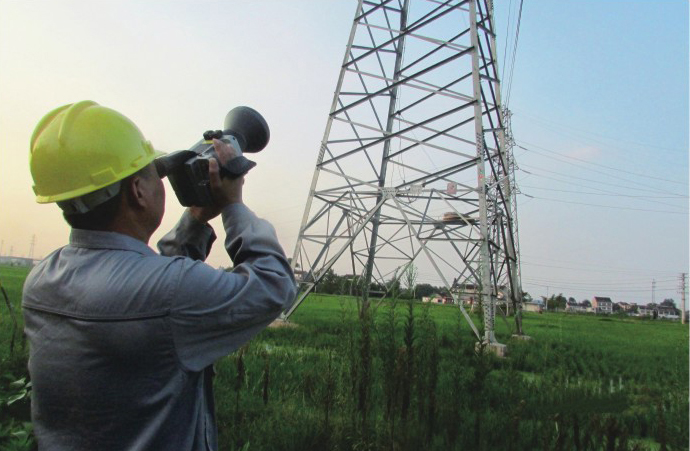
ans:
(412, 165)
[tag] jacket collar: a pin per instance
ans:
(92, 239)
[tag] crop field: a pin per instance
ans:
(408, 376)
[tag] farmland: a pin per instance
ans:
(408, 376)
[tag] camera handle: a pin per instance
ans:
(236, 167)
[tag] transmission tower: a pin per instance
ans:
(412, 166)
(31, 248)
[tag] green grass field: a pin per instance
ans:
(403, 379)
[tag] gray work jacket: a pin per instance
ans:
(122, 339)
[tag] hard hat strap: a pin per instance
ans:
(87, 202)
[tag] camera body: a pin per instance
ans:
(190, 178)
(187, 170)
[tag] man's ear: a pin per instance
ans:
(136, 192)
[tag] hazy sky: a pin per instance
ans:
(599, 98)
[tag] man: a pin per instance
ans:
(122, 339)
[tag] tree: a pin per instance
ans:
(561, 301)
(554, 301)
(425, 289)
(410, 279)
(669, 303)
(393, 287)
(329, 283)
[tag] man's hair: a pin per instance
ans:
(102, 216)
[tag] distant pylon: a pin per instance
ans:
(412, 166)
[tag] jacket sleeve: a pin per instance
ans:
(214, 312)
(189, 238)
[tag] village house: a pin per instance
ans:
(300, 275)
(602, 304)
(467, 293)
(626, 307)
(438, 299)
(667, 312)
(646, 310)
(658, 311)
(576, 307)
(533, 306)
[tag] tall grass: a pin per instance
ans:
(430, 388)
(408, 376)
(15, 389)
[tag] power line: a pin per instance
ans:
(594, 269)
(505, 47)
(607, 267)
(643, 286)
(606, 206)
(579, 290)
(599, 289)
(512, 64)
(579, 131)
(595, 164)
(600, 194)
(611, 287)
(640, 281)
(596, 181)
(603, 192)
(642, 198)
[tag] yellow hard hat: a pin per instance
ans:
(82, 147)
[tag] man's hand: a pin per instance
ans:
(225, 191)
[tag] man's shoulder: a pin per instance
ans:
(103, 283)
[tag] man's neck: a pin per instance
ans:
(132, 226)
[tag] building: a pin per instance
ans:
(646, 310)
(577, 307)
(532, 307)
(626, 307)
(438, 299)
(467, 293)
(602, 304)
(667, 312)
(300, 275)
(658, 311)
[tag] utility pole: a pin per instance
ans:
(653, 290)
(682, 289)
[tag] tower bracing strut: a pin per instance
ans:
(412, 167)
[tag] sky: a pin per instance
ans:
(598, 91)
